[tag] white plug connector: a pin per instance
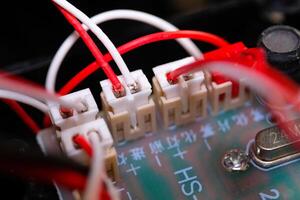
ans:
(69, 147)
(67, 118)
(184, 87)
(183, 101)
(129, 102)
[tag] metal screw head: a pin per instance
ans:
(235, 160)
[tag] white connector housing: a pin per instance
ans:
(129, 102)
(183, 88)
(84, 97)
(173, 90)
(69, 146)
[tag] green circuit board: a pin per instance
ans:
(185, 162)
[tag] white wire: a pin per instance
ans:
(157, 22)
(97, 173)
(112, 190)
(24, 99)
(152, 20)
(102, 37)
(10, 84)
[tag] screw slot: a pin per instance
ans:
(235, 160)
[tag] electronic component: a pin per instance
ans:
(131, 116)
(272, 146)
(182, 102)
(73, 151)
(225, 94)
(179, 162)
(282, 45)
(235, 160)
(65, 118)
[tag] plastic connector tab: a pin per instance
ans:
(50, 145)
(129, 102)
(225, 93)
(132, 115)
(183, 101)
(99, 126)
(227, 52)
(66, 118)
(173, 90)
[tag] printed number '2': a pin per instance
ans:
(275, 195)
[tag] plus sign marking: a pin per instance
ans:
(180, 153)
(133, 169)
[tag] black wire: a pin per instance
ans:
(12, 156)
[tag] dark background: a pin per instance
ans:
(31, 32)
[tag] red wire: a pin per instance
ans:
(84, 144)
(16, 107)
(155, 37)
(78, 78)
(69, 179)
(117, 86)
(47, 121)
(283, 83)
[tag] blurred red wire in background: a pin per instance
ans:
(26, 118)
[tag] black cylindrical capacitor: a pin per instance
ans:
(282, 46)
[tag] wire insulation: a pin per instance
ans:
(258, 63)
(101, 36)
(22, 86)
(148, 39)
(84, 144)
(5, 94)
(155, 21)
(117, 86)
(96, 176)
(109, 190)
(149, 19)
